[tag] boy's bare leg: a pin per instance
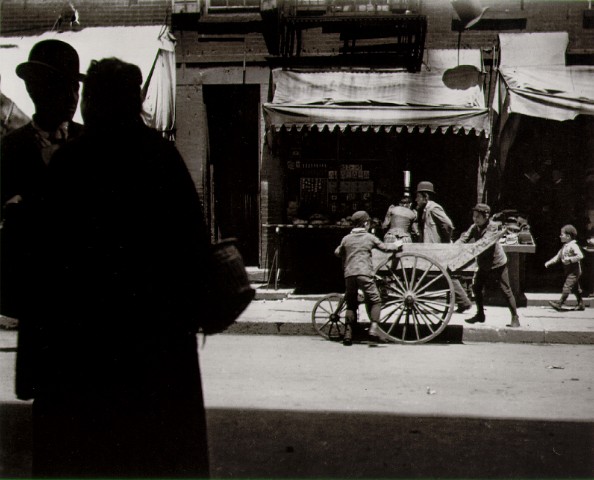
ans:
(374, 316)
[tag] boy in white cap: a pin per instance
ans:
(355, 250)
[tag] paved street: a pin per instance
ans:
(486, 380)
(299, 406)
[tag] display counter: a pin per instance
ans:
(516, 265)
(304, 259)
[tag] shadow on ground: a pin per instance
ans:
(277, 444)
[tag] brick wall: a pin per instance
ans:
(542, 16)
(35, 16)
(29, 17)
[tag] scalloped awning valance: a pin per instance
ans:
(389, 101)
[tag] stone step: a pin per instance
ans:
(257, 275)
(263, 292)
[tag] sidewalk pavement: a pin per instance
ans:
(292, 316)
(539, 323)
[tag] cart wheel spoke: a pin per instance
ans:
(414, 272)
(429, 314)
(416, 322)
(425, 320)
(396, 322)
(384, 318)
(394, 277)
(421, 279)
(434, 293)
(389, 285)
(404, 275)
(326, 309)
(427, 285)
(394, 303)
(435, 307)
(405, 326)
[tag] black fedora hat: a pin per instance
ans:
(52, 56)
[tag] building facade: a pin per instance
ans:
(251, 174)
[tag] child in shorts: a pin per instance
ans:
(355, 250)
(570, 256)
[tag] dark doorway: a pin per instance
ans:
(233, 119)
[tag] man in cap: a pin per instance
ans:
(436, 227)
(492, 262)
(356, 251)
(52, 78)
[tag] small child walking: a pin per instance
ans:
(355, 250)
(570, 256)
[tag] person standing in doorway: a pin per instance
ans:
(436, 227)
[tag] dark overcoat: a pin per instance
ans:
(23, 173)
(117, 381)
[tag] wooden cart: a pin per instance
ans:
(416, 289)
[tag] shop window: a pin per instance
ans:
(327, 191)
(222, 6)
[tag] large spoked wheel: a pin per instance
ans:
(417, 297)
(328, 317)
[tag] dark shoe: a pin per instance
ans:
(348, 336)
(580, 307)
(478, 318)
(462, 308)
(557, 306)
(358, 331)
(515, 322)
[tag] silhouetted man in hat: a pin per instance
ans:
(436, 227)
(52, 78)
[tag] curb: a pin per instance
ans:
(451, 334)
(532, 299)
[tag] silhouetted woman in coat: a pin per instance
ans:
(118, 391)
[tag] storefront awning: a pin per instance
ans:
(391, 101)
(553, 92)
(151, 48)
(534, 80)
(386, 118)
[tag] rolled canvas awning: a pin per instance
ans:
(534, 80)
(553, 92)
(391, 101)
